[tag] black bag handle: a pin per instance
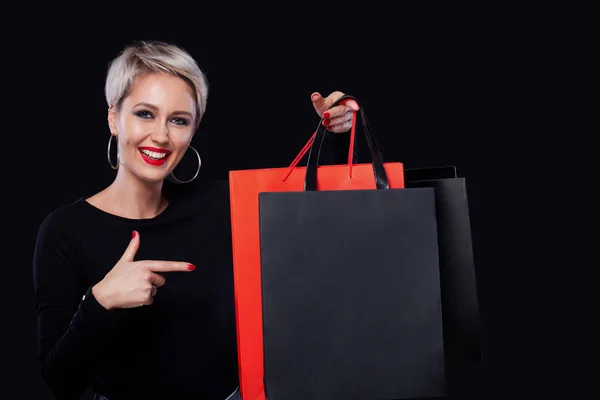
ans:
(381, 179)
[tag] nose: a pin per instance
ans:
(160, 135)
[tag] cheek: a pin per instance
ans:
(131, 132)
(181, 144)
(181, 139)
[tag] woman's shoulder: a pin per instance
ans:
(210, 196)
(58, 220)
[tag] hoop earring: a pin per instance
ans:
(197, 171)
(108, 153)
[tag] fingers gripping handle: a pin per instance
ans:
(381, 180)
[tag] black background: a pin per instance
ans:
(434, 85)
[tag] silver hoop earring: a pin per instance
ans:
(197, 171)
(108, 153)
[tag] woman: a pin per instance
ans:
(134, 285)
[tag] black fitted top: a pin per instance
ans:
(184, 344)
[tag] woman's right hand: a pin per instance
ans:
(134, 283)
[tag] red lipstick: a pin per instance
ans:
(154, 155)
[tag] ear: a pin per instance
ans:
(112, 120)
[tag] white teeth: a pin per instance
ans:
(154, 154)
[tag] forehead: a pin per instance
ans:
(162, 89)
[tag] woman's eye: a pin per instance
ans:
(181, 121)
(147, 115)
(143, 114)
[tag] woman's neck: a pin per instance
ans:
(135, 199)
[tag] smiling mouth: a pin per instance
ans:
(154, 157)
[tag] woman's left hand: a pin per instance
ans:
(337, 119)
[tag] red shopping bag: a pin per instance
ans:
(245, 186)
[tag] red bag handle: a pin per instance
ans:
(308, 145)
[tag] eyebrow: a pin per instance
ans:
(155, 108)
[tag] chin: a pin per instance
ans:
(152, 178)
(148, 175)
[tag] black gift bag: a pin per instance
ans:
(351, 293)
(460, 304)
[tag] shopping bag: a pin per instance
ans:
(461, 317)
(351, 297)
(245, 186)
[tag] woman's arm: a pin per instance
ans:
(73, 328)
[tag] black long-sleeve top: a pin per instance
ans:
(184, 344)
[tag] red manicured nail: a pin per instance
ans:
(326, 122)
(133, 234)
(326, 115)
(191, 267)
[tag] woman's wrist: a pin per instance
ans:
(99, 294)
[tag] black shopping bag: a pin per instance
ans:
(460, 305)
(351, 291)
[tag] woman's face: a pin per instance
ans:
(154, 125)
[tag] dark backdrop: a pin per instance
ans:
(428, 89)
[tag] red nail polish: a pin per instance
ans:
(326, 115)
(326, 122)
(133, 234)
(191, 267)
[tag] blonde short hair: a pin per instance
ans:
(154, 56)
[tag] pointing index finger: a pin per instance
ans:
(168, 266)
